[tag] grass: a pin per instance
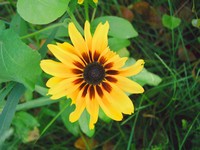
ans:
(167, 116)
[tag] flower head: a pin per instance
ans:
(91, 75)
(81, 1)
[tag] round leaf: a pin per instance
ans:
(119, 27)
(196, 23)
(41, 11)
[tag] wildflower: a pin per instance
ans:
(91, 75)
(81, 1)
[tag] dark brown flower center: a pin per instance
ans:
(94, 73)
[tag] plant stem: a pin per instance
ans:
(71, 15)
(42, 30)
(86, 10)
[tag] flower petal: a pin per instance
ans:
(108, 108)
(55, 68)
(119, 100)
(58, 95)
(80, 106)
(120, 62)
(128, 85)
(115, 58)
(77, 39)
(68, 47)
(88, 36)
(63, 85)
(92, 107)
(100, 38)
(134, 69)
(64, 56)
(53, 81)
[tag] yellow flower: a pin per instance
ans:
(91, 75)
(81, 1)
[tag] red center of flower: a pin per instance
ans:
(94, 73)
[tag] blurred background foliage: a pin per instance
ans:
(165, 33)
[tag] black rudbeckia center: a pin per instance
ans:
(94, 73)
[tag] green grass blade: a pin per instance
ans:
(9, 110)
(4, 92)
(133, 127)
(189, 130)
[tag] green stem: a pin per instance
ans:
(133, 127)
(86, 11)
(172, 33)
(54, 119)
(43, 101)
(93, 14)
(42, 30)
(71, 15)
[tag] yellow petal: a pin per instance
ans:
(68, 47)
(55, 68)
(100, 38)
(80, 1)
(73, 95)
(108, 108)
(61, 86)
(77, 39)
(53, 81)
(64, 56)
(128, 85)
(119, 100)
(73, 91)
(92, 107)
(80, 106)
(134, 69)
(120, 63)
(96, 1)
(58, 95)
(88, 36)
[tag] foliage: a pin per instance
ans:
(164, 33)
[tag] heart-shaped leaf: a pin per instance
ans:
(170, 22)
(18, 62)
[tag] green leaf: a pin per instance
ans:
(84, 124)
(4, 91)
(73, 5)
(9, 110)
(71, 127)
(41, 11)
(62, 31)
(144, 77)
(123, 52)
(18, 25)
(170, 22)
(119, 27)
(116, 44)
(2, 25)
(196, 23)
(103, 116)
(25, 124)
(18, 62)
